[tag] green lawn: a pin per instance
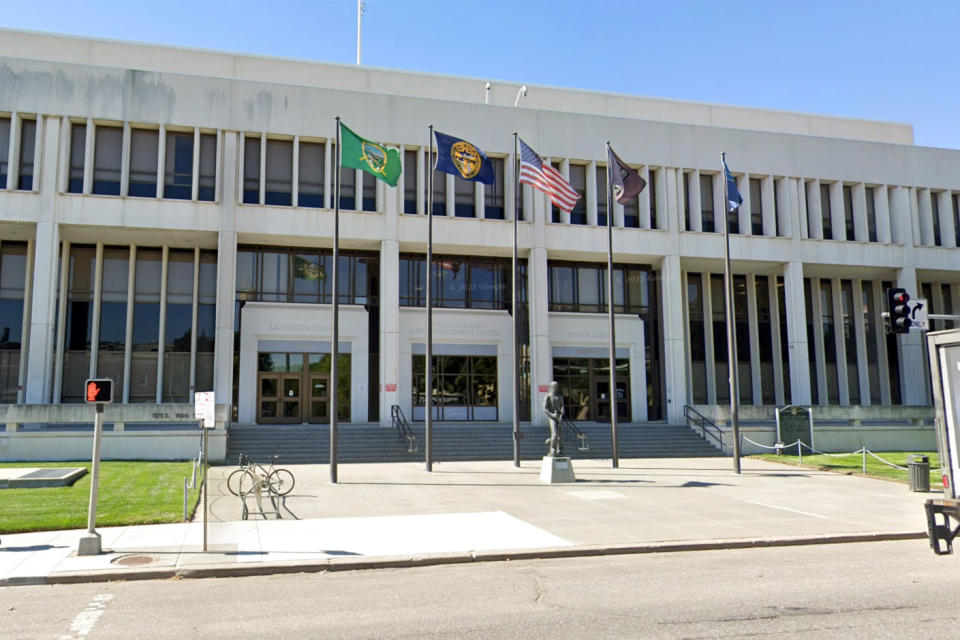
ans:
(134, 492)
(853, 464)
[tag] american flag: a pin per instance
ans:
(540, 175)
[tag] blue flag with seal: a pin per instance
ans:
(462, 159)
(734, 200)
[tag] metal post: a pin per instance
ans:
(428, 401)
(611, 318)
(863, 450)
(206, 510)
(515, 306)
(90, 543)
(360, 7)
(731, 326)
(335, 333)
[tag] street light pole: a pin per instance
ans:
(731, 325)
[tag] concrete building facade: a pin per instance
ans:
(166, 220)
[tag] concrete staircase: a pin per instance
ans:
(298, 444)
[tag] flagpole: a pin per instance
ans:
(335, 334)
(731, 326)
(428, 403)
(515, 307)
(615, 453)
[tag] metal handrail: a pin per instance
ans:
(582, 444)
(704, 425)
(407, 437)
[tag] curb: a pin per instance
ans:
(323, 565)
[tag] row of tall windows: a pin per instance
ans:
(143, 335)
(847, 199)
(145, 178)
(709, 197)
(13, 273)
(23, 180)
(460, 282)
(274, 274)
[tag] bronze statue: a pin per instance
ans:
(553, 407)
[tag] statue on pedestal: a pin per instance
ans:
(553, 408)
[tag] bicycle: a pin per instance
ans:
(251, 474)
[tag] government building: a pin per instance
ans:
(166, 220)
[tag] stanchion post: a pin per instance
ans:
(863, 450)
(799, 451)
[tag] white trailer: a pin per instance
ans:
(943, 514)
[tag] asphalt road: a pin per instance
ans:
(870, 590)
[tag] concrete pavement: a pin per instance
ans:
(397, 514)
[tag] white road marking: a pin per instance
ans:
(83, 624)
(803, 513)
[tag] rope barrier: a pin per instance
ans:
(800, 444)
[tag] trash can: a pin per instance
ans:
(918, 470)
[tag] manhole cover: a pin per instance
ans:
(133, 561)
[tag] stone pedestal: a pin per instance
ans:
(555, 469)
(89, 545)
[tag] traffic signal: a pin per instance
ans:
(899, 310)
(98, 391)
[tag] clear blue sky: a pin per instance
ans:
(875, 59)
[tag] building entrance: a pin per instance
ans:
(294, 388)
(585, 385)
(465, 388)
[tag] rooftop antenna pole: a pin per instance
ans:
(486, 93)
(361, 9)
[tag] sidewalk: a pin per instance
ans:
(397, 515)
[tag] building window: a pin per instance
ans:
(811, 342)
(206, 320)
(850, 338)
(956, 217)
(348, 188)
(765, 339)
(369, 191)
(113, 314)
(251, 170)
(555, 214)
(4, 151)
(146, 325)
(826, 212)
(178, 331)
(178, 166)
(207, 187)
(686, 201)
(706, 205)
(466, 386)
(78, 152)
(144, 148)
(13, 273)
(829, 340)
(439, 189)
(493, 200)
(410, 182)
(310, 175)
(279, 178)
(698, 348)
(459, 282)
(652, 190)
(79, 321)
(28, 139)
(848, 213)
(631, 212)
(107, 155)
(721, 362)
(273, 274)
(784, 339)
(871, 194)
(601, 179)
(581, 287)
(464, 199)
(935, 214)
(578, 180)
(870, 336)
(756, 207)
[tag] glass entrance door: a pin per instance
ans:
(319, 398)
(278, 398)
(603, 400)
(294, 388)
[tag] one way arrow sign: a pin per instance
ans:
(918, 314)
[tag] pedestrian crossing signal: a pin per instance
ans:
(99, 391)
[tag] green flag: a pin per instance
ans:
(358, 153)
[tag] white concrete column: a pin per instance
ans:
(775, 341)
(161, 156)
(948, 235)
(644, 210)
(95, 315)
(797, 345)
(674, 349)
(881, 204)
(814, 215)
(329, 169)
(509, 188)
(125, 160)
(61, 326)
(709, 349)
(226, 271)
(13, 158)
(768, 201)
(719, 204)
(843, 384)
(859, 321)
(791, 220)
(862, 233)
(358, 190)
(660, 218)
(915, 217)
(128, 335)
(926, 218)
(673, 199)
(40, 352)
(837, 216)
(591, 194)
(479, 208)
(913, 373)
(901, 224)
(390, 390)
(541, 352)
(295, 177)
(745, 212)
(88, 156)
(38, 154)
(263, 169)
(691, 193)
(754, 334)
